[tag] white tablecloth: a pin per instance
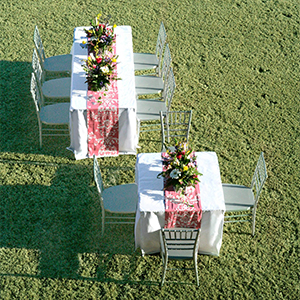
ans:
(150, 216)
(126, 89)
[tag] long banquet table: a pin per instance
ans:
(126, 89)
(150, 215)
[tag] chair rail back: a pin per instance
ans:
(168, 91)
(39, 45)
(175, 124)
(259, 177)
(164, 71)
(160, 43)
(36, 94)
(37, 68)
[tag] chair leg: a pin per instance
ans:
(253, 221)
(196, 270)
(41, 139)
(165, 263)
(103, 221)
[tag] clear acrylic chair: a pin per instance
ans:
(149, 61)
(119, 199)
(55, 89)
(53, 120)
(149, 109)
(175, 125)
(179, 244)
(146, 85)
(53, 65)
(240, 198)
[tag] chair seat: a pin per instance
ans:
(58, 63)
(238, 197)
(55, 113)
(121, 198)
(145, 59)
(148, 109)
(145, 85)
(57, 88)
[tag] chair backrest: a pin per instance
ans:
(169, 89)
(259, 177)
(97, 176)
(37, 68)
(175, 125)
(160, 43)
(166, 65)
(180, 243)
(39, 45)
(36, 94)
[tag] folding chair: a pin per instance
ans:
(146, 85)
(179, 244)
(148, 61)
(175, 125)
(240, 198)
(55, 64)
(55, 115)
(119, 199)
(54, 89)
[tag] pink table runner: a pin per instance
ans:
(103, 120)
(182, 210)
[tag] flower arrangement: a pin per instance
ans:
(99, 71)
(101, 62)
(180, 167)
(100, 36)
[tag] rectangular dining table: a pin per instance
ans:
(150, 215)
(128, 139)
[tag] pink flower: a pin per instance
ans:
(94, 66)
(98, 60)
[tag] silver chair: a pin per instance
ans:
(239, 198)
(55, 64)
(145, 85)
(119, 199)
(58, 89)
(56, 115)
(175, 125)
(148, 61)
(179, 244)
(149, 109)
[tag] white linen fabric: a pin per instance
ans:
(126, 89)
(150, 216)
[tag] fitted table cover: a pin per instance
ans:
(150, 215)
(126, 90)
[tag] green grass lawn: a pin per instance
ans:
(236, 64)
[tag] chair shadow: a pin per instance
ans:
(19, 126)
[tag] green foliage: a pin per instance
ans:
(236, 64)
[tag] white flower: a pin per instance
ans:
(175, 174)
(105, 69)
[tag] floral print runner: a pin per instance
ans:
(103, 120)
(183, 209)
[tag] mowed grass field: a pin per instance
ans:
(236, 64)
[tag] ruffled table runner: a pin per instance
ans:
(183, 210)
(103, 120)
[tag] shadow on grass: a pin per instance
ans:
(19, 126)
(54, 230)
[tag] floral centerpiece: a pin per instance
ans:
(101, 62)
(100, 36)
(99, 71)
(180, 168)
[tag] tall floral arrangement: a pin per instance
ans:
(180, 167)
